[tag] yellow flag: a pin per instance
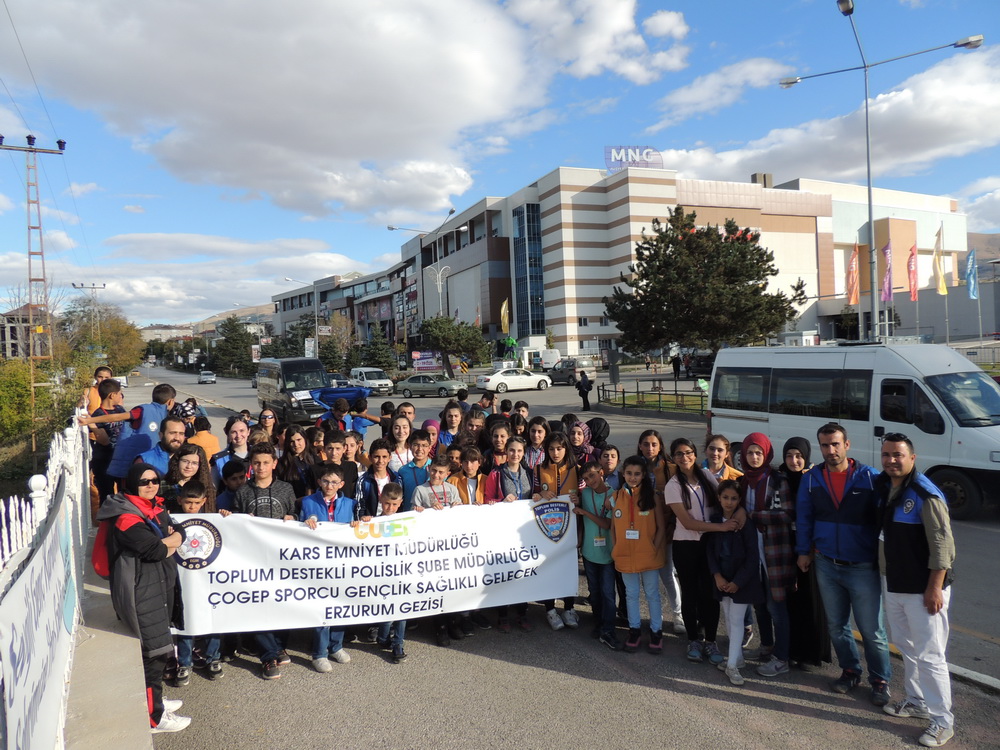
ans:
(505, 316)
(942, 287)
(853, 278)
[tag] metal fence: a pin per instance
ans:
(42, 548)
(659, 394)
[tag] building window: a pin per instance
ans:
(605, 321)
(582, 322)
(528, 289)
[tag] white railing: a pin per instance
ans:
(42, 549)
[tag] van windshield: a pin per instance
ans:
(973, 398)
(375, 375)
(305, 379)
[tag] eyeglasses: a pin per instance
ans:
(191, 462)
(330, 482)
(683, 454)
(267, 416)
(147, 482)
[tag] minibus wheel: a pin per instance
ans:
(965, 499)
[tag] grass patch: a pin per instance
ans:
(695, 403)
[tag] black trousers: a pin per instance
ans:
(699, 607)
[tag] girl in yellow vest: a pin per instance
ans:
(638, 536)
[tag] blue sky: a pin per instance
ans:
(215, 148)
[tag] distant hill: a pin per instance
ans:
(986, 245)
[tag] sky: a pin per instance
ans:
(214, 148)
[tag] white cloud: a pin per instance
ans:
(6, 204)
(982, 185)
(57, 240)
(58, 214)
(77, 189)
(669, 23)
(718, 90)
(133, 209)
(933, 115)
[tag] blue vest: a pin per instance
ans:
(133, 441)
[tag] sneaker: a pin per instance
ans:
(632, 642)
(773, 668)
(747, 635)
(322, 665)
(270, 670)
(183, 677)
(611, 642)
(503, 625)
(655, 645)
(847, 682)
(694, 652)
(371, 634)
(555, 621)
(442, 637)
(383, 644)
(214, 670)
(480, 621)
(341, 656)
(199, 659)
(723, 665)
(283, 658)
(571, 618)
(171, 722)
(880, 693)
(904, 709)
(713, 654)
(173, 706)
(466, 626)
(455, 631)
(764, 653)
(733, 673)
(398, 654)
(679, 628)
(936, 735)
(525, 624)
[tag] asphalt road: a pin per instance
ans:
(556, 690)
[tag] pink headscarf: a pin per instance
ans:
(756, 479)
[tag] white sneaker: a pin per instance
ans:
(172, 705)
(936, 735)
(734, 676)
(171, 722)
(322, 665)
(555, 621)
(571, 618)
(341, 656)
(724, 665)
(679, 628)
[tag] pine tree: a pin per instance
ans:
(377, 352)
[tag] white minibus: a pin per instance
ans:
(945, 404)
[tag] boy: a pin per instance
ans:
(609, 467)
(462, 396)
(191, 499)
(454, 455)
(414, 473)
(105, 436)
(391, 634)
(234, 476)
(385, 419)
(267, 497)
(374, 480)
(335, 445)
(470, 482)
(328, 504)
(521, 407)
(596, 551)
(408, 410)
(360, 419)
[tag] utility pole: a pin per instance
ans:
(39, 315)
(95, 313)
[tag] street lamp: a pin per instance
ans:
(315, 308)
(441, 272)
(846, 7)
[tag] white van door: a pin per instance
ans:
(906, 407)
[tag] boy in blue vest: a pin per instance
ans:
(391, 634)
(328, 505)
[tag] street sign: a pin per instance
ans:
(310, 347)
(326, 330)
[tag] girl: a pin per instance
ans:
(690, 493)
(661, 468)
(472, 427)
(735, 565)
(400, 428)
(637, 538)
(496, 456)
(267, 420)
(510, 481)
(555, 476)
(718, 459)
(189, 462)
(518, 425)
(765, 497)
(809, 639)
(354, 443)
(314, 439)
(433, 428)
(579, 438)
(296, 463)
(538, 433)
(451, 423)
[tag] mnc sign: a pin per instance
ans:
(617, 158)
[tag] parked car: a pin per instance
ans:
(569, 370)
(205, 377)
(338, 380)
(513, 379)
(429, 385)
(372, 378)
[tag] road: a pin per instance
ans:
(563, 689)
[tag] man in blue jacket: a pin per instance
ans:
(838, 522)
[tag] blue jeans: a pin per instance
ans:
(857, 588)
(185, 648)
(773, 622)
(650, 580)
(601, 585)
(270, 643)
(394, 632)
(327, 641)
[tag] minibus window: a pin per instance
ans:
(804, 393)
(925, 416)
(743, 388)
(973, 398)
(895, 401)
(857, 395)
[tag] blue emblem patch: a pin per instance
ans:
(908, 505)
(202, 544)
(552, 517)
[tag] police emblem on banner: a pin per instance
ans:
(552, 518)
(202, 544)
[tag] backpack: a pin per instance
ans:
(99, 557)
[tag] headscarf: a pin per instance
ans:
(585, 450)
(599, 432)
(804, 447)
(135, 472)
(433, 422)
(756, 479)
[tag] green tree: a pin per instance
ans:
(87, 325)
(15, 406)
(330, 355)
(699, 288)
(232, 348)
(354, 357)
(377, 352)
(444, 335)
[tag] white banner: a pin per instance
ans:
(243, 574)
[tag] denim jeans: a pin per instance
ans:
(601, 585)
(650, 580)
(773, 622)
(185, 648)
(327, 641)
(669, 578)
(394, 632)
(858, 589)
(270, 643)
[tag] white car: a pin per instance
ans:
(513, 379)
